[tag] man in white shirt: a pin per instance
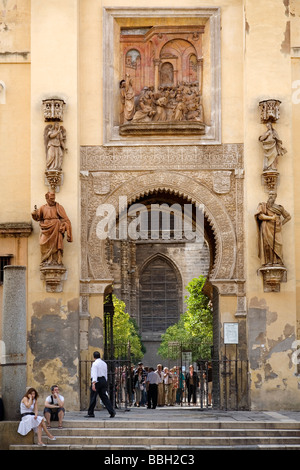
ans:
(152, 386)
(99, 386)
(54, 407)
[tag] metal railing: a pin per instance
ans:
(220, 384)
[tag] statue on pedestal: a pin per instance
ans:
(54, 137)
(54, 222)
(270, 218)
(272, 147)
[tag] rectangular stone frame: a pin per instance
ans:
(111, 134)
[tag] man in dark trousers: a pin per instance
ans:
(152, 387)
(99, 386)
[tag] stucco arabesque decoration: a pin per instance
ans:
(271, 217)
(212, 176)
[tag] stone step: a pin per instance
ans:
(194, 424)
(136, 442)
(128, 435)
(203, 432)
(160, 448)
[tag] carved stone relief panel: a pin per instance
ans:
(161, 90)
(163, 72)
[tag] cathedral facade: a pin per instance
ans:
(143, 146)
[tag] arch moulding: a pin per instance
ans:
(179, 185)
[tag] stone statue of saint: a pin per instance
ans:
(127, 100)
(54, 222)
(272, 146)
(54, 138)
(270, 218)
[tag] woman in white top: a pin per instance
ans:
(30, 419)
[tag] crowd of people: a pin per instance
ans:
(140, 386)
(144, 386)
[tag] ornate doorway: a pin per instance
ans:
(122, 262)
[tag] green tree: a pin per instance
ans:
(125, 331)
(195, 326)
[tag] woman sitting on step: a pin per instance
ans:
(30, 419)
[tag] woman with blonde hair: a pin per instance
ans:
(30, 419)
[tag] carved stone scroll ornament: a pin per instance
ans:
(54, 223)
(270, 218)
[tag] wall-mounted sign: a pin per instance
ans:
(231, 333)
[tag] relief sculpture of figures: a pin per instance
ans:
(272, 147)
(54, 138)
(270, 218)
(181, 102)
(54, 222)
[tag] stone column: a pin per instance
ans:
(156, 74)
(14, 338)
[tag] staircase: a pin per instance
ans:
(127, 435)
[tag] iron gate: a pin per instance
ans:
(221, 384)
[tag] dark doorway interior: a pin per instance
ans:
(151, 274)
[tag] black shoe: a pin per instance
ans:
(112, 415)
(89, 416)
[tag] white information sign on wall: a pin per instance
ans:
(231, 333)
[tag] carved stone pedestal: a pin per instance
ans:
(54, 277)
(163, 128)
(272, 277)
(270, 179)
(54, 179)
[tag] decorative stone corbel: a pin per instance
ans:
(273, 276)
(54, 277)
(54, 179)
(53, 109)
(269, 110)
(270, 179)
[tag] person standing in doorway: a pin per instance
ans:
(99, 386)
(192, 382)
(152, 388)
(161, 391)
(168, 382)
